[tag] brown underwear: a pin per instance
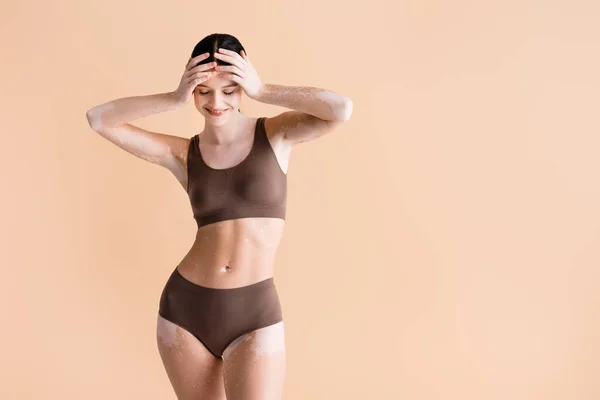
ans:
(216, 317)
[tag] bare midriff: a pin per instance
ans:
(233, 253)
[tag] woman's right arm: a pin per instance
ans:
(111, 121)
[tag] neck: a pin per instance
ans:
(226, 133)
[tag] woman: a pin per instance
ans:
(220, 330)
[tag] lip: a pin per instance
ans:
(213, 110)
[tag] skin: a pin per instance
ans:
(230, 253)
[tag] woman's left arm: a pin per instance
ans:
(321, 103)
(315, 111)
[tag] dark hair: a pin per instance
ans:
(212, 43)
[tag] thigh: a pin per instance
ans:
(193, 371)
(254, 365)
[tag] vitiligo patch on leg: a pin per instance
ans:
(166, 332)
(262, 342)
(269, 340)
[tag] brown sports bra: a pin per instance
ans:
(255, 187)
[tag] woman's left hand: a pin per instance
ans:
(241, 71)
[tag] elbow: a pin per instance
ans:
(344, 110)
(93, 119)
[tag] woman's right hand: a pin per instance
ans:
(194, 76)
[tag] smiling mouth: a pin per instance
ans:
(216, 112)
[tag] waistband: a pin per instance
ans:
(179, 279)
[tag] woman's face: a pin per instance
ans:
(220, 95)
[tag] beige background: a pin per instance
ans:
(442, 244)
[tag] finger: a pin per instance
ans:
(226, 57)
(228, 68)
(200, 77)
(200, 68)
(231, 76)
(197, 59)
(202, 56)
(237, 61)
(203, 67)
(203, 74)
(229, 52)
(196, 82)
(244, 55)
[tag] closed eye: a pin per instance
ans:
(225, 93)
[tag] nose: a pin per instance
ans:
(215, 102)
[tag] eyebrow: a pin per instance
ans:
(226, 86)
